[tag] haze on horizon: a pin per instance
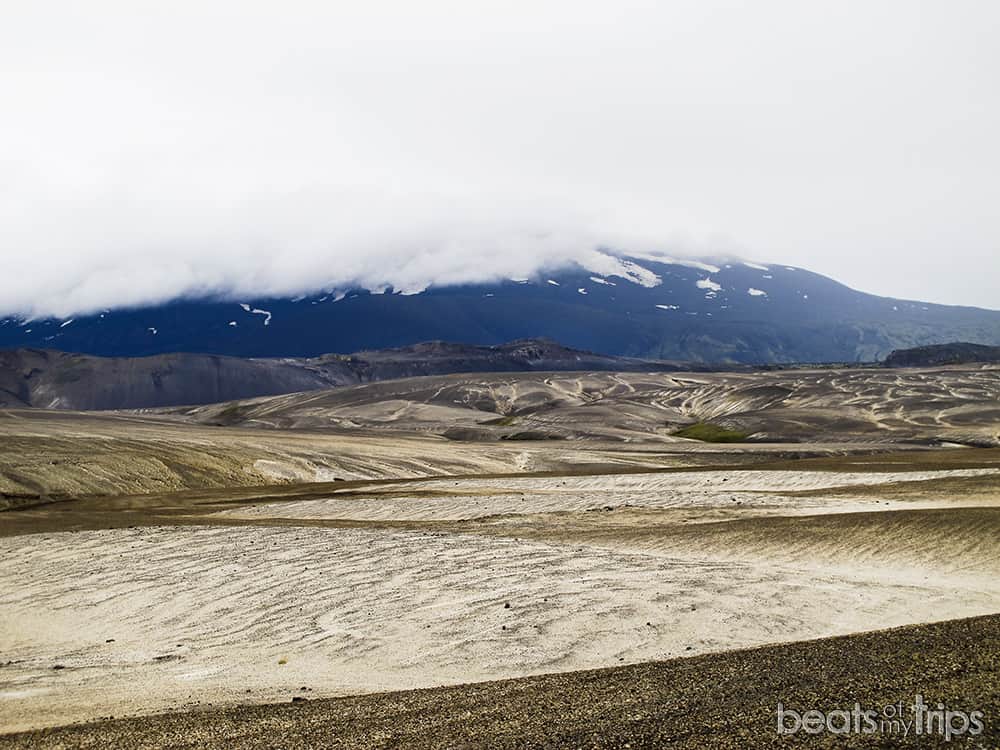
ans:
(149, 151)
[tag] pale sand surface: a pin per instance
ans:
(76, 453)
(455, 499)
(202, 614)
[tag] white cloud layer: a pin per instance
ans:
(153, 150)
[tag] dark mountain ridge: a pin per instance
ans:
(698, 311)
(957, 353)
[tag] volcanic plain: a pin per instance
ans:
(590, 540)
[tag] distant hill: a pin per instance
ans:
(958, 353)
(709, 311)
(867, 404)
(57, 380)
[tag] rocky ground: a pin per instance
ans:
(726, 700)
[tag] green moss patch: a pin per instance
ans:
(712, 433)
(500, 421)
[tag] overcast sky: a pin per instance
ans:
(153, 149)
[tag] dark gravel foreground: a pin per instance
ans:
(723, 700)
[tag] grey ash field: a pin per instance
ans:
(503, 560)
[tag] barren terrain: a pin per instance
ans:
(335, 544)
(959, 404)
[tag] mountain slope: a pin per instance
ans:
(678, 310)
(50, 379)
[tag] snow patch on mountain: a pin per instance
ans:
(411, 290)
(708, 284)
(609, 265)
(257, 311)
(756, 292)
(670, 260)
